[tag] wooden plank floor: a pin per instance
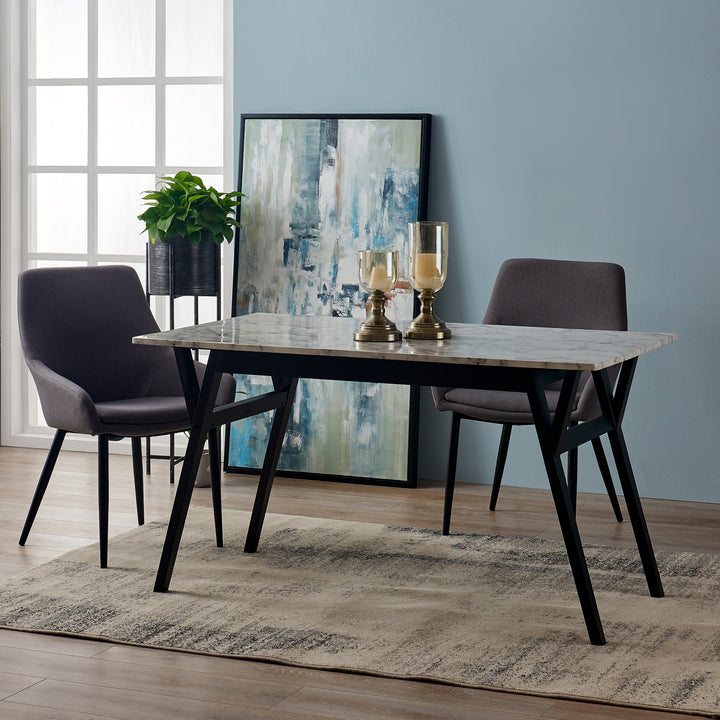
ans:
(43, 677)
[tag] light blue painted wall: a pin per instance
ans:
(573, 129)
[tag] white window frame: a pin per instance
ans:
(15, 256)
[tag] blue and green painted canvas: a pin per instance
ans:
(318, 190)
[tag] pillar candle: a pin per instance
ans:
(379, 279)
(427, 272)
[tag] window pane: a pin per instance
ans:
(194, 38)
(217, 181)
(139, 269)
(185, 310)
(126, 38)
(55, 263)
(126, 125)
(60, 39)
(58, 126)
(194, 125)
(119, 204)
(58, 216)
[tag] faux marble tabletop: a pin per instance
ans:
(498, 345)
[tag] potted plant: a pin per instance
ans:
(186, 224)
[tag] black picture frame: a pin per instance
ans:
(293, 254)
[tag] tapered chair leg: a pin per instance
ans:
(136, 444)
(214, 448)
(452, 467)
(148, 456)
(607, 477)
(172, 458)
(500, 463)
(103, 497)
(42, 483)
(572, 476)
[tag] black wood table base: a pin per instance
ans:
(556, 435)
(528, 360)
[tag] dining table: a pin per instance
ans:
(527, 359)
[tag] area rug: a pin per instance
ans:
(481, 611)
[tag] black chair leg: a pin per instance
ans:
(572, 472)
(138, 478)
(452, 467)
(172, 458)
(42, 483)
(500, 463)
(103, 497)
(607, 477)
(214, 448)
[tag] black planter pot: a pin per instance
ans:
(176, 267)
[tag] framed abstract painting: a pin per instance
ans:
(319, 188)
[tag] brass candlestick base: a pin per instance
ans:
(377, 328)
(426, 326)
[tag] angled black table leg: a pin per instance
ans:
(214, 448)
(607, 477)
(500, 463)
(272, 455)
(550, 436)
(201, 413)
(614, 407)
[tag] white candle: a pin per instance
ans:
(427, 274)
(379, 279)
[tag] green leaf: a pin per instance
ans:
(164, 223)
(181, 205)
(195, 237)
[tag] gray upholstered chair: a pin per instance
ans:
(76, 326)
(540, 293)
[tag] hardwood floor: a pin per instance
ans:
(46, 677)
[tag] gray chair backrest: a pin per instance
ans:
(79, 322)
(535, 292)
(566, 294)
(559, 293)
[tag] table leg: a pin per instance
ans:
(549, 434)
(214, 448)
(272, 455)
(615, 407)
(201, 413)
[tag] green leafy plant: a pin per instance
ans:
(183, 207)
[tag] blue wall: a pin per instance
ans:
(574, 129)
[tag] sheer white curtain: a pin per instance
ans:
(99, 99)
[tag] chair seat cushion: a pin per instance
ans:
(146, 415)
(157, 415)
(499, 406)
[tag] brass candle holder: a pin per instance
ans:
(428, 271)
(378, 273)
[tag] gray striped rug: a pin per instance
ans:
(473, 610)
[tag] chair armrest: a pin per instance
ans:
(438, 395)
(165, 380)
(65, 404)
(226, 391)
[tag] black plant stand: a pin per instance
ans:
(178, 269)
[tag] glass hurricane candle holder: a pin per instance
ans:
(378, 273)
(428, 270)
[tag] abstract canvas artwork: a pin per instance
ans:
(319, 189)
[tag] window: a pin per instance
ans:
(99, 99)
